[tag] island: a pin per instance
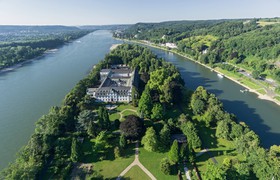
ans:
(165, 131)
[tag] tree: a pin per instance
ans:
(101, 142)
(74, 151)
(184, 151)
(145, 103)
(92, 129)
(123, 141)
(164, 136)
(190, 132)
(173, 154)
(256, 74)
(222, 130)
(103, 118)
(132, 127)
(197, 106)
(157, 112)
(117, 152)
(182, 119)
(84, 119)
(247, 143)
(236, 131)
(214, 172)
(165, 166)
(150, 141)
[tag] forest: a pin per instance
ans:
(18, 44)
(164, 107)
(250, 43)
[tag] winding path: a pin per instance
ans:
(136, 162)
(121, 113)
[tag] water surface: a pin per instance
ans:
(29, 91)
(261, 115)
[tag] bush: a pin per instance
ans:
(117, 152)
(165, 166)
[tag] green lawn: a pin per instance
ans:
(218, 148)
(122, 107)
(128, 112)
(110, 167)
(114, 116)
(151, 160)
(136, 173)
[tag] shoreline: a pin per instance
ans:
(260, 96)
(114, 46)
(20, 64)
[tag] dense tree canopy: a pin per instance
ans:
(132, 127)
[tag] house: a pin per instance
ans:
(116, 85)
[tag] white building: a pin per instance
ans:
(116, 85)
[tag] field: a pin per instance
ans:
(265, 23)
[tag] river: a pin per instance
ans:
(262, 116)
(29, 91)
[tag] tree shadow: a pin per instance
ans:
(207, 136)
(253, 120)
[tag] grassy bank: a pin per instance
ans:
(241, 80)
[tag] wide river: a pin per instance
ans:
(28, 92)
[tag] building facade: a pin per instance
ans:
(116, 85)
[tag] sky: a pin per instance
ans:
(101, 12)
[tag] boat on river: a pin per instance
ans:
(244, 90)
(220, 75)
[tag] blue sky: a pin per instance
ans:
(96, 12)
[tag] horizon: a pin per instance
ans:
(110, 12)
(77, 25)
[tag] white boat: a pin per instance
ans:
(220, 75)
(243, 91)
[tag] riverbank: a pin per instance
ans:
(18, 65)
(114, 46)
(260, 96)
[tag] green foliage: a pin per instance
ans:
(214, 172)
(184, 152)
(165, 166)
(123, 141)
(117, 152)
(157, 112)
(103, 118)
(150, 140)
(247, 143)
(164, 136)
(223, 129)
(190, 132)
(85, 121)
(19, 48)
(145, 103)
(74, 151)
(168, 83)
(101, 142)
(236, 131)
(132, 127)
(173, 154)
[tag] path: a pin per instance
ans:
(210, 154)
(136, 162)
(187, 172)
(121, 113)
